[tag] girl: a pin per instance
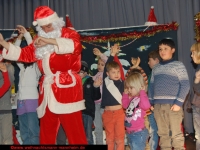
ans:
(136, 102)
(195, 49)
(98, 110)
(28, 95)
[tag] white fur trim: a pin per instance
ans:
(59, 108)
(46, 20)
(113, 90)
(13, 53)
(150, 23)
(49, 98)
(65, 46)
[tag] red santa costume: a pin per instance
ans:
(61, 97)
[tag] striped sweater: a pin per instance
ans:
(169, 83)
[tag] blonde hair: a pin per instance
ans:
(196, 47)
(135, 80)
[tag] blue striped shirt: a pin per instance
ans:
(169, 83)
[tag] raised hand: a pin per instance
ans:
(97, 52)
(98, 82)
(3, 67)
(114, 49)
(21, 29)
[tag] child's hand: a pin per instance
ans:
(175, 107)
(21, 29)
(3, 67)
(152, 108)
(125, 91)
(97, 82)
(197, 77)
(97, 52)
(114, 49)
(143, 87)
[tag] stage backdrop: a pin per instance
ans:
(135, 41)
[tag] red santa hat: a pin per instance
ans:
(68, 23)
(44, 15)
(152, 18)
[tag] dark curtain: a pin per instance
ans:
(94, 14)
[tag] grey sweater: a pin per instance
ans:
(5, 100)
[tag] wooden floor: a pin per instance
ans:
(189, 144)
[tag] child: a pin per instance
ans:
(28, 96)
(6, 83)
(195, 49)
(91, 92)
(6, 136)
(98, 131)
(113, 115)
(136, 102)
(168, 88)
(154, 59)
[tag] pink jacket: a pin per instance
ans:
(135, 110)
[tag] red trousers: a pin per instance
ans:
(71, 123)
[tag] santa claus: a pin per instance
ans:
(57, 50)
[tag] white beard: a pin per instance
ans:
(42, 51)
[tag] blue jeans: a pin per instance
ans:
(29, 128)
(153, 141)
(88, 121)
(137, 140)
(98, 131)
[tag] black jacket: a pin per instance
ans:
(90, 94)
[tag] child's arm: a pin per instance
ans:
(6, 84)
(184, 84)
(196, 85)
(144, 101)
(23, 32)
(151, 89)
(98, 53)
(125, 99)
(96, 89)
(114, 51)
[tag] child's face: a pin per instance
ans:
(82, 74)
(194, 57)
(152, 62)
(114, 74)
(132, 91)
(166, 52)
(100, 65)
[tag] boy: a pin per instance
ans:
(154, 59)
(91, 92)
(168, 88)
(6, 136)
(113, 115)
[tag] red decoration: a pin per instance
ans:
(130, 35)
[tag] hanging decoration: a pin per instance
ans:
(197, 26)
(129, 35)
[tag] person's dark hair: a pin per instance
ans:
(167, 42)
(154, 54)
